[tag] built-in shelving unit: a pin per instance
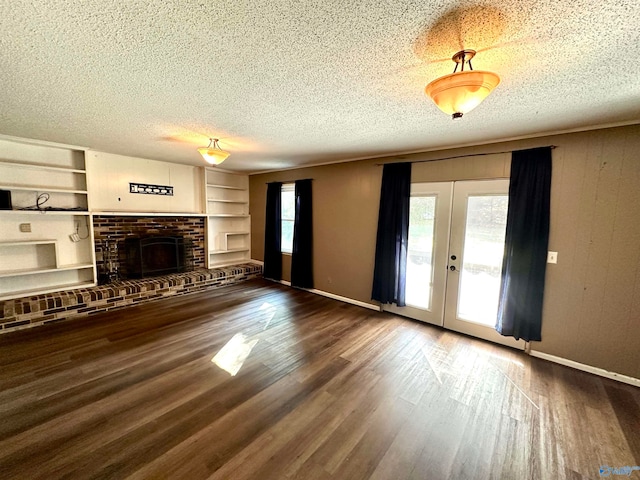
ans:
(46, 234)
(27, 177)
(228, 220)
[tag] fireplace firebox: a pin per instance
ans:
(156, 255)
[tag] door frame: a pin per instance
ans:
(451, 202)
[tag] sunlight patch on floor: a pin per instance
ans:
(233, 354)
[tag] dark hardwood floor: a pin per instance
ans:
(328, 391)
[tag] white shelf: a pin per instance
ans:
(45, 212)
(43, 189)
(33, 271)
(228, 264)
(227, 215)
(28, 258)
(227, 187)
(233, 250)
(242, 202)
(41, 166)
(239, 245)
(26, 242)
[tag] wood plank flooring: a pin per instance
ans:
(328, 391)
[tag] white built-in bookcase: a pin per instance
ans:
(45, 247)
(228, 222)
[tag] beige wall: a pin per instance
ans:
(592, 296)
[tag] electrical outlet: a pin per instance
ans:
(25, 227)
(552, 257)
(74, 237)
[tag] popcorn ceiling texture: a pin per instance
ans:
(27, 312)
(292, 83)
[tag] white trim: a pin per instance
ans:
(146, 214)
(333, 296)
(587, 368)
(370, 306)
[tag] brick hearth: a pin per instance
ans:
(27, 312)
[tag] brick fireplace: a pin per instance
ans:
(115, 292)
(112, 231)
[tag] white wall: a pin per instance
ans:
(109, 177)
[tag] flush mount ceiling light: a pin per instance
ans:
(213, 154)
(460, 92)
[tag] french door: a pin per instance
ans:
(454, 261)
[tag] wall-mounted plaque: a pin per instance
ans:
(148, 189)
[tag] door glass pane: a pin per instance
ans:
(420, 252)
(482, 258)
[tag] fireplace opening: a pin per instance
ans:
(153, 256)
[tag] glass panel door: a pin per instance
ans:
(482, 258)
(476, 248)
(429, 217)
(420, 251)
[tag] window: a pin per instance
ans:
(288, 211)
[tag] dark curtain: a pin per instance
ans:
(389, 275)
(273, 233)
(526, 244)
(301, 256)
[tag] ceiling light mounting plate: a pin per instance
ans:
(463, 56)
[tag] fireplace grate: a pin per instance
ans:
(151, 256)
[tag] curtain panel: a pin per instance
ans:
(389, 276)
(302, 254)
(526, 244)
(273, 232)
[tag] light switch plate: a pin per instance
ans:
(552, 257)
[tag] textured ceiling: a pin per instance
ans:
(285, 83)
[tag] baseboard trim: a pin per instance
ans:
(370, 306)
(587, 368)
(322, 293)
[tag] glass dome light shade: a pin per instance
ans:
(213, 154)
(459, 93)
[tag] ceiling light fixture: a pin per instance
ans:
(460, 92)
(213, 154)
